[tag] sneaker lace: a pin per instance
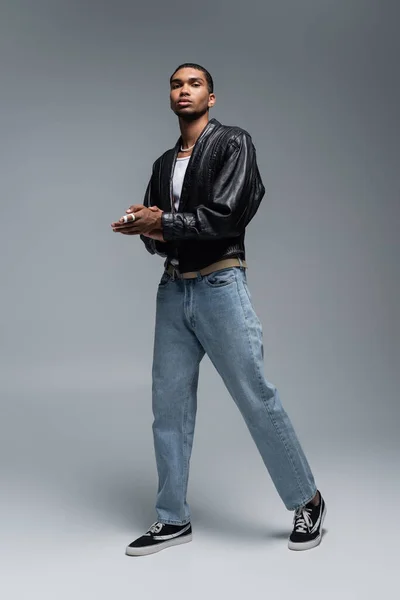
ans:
(155, 528)
(302, 520)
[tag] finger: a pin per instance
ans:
(125, 229)
(134, 229)
(122, 227)
(124, 221)
(135, 208)
(138, 213)
(128, 218)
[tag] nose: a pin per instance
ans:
(184, 90)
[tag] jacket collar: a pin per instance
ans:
(172, 155)
(212, 123)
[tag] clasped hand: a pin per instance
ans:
(147, 222)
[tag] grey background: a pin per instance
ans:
(84, 113)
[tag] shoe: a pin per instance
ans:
(307, 526)
(158, 537)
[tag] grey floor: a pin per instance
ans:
(78, 485)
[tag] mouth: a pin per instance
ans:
(184, 102)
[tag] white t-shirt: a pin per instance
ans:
(179, 174)
(177, 181)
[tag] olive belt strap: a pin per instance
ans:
(217, 266)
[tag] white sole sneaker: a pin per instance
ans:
(144, 550)
(311, 543)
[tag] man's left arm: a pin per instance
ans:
(236, 195)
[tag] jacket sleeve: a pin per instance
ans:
(152, 246)
(236, 195)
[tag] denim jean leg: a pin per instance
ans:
(231, 334)
(176, 358)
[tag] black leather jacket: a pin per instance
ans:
(221, 192)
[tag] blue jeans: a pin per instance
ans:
(214, 314)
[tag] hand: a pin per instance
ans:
(155, 235)
(146, 221)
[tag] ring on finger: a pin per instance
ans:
(126, 219)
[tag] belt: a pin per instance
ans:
(220, 264)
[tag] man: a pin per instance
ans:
(201, 196)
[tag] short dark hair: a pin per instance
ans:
(209, 79)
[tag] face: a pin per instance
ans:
(189, 94)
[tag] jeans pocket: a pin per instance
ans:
(221, 278)
(246, 289)
(165, 279)
(243, 278)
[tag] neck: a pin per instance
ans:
(191, 130)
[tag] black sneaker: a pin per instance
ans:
(307, 528)
(158, 537)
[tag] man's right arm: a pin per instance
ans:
(152, 246)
